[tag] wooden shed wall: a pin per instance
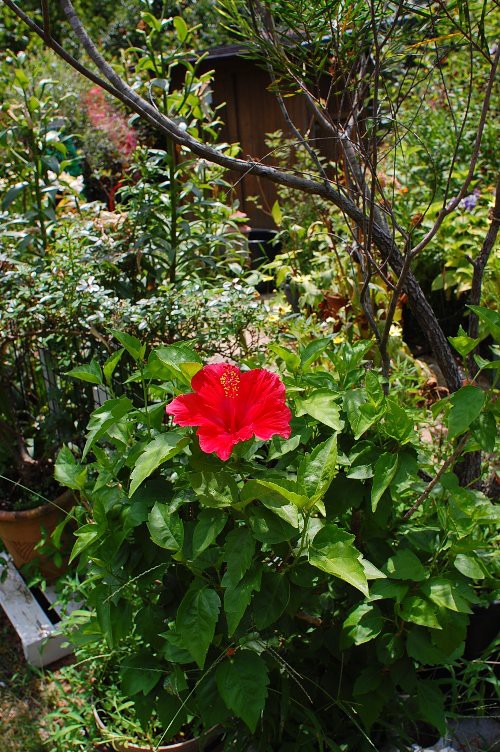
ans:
(250, 111)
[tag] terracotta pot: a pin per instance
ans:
(22, 531)
(190, 745)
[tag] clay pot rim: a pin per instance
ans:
(65, 500)
(130, 747)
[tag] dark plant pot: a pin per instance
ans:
(22, 531)
(202, 743)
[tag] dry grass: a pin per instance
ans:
(25, 697)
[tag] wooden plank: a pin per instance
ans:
(41, 644)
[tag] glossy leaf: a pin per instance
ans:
(332, 551)
(157, 452)
(242, 682)
(165, 527)
(197, 616)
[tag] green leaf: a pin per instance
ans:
(398, 424)
(374, 390)
(210, 523)
(268, 528)
(317, 470)
(238, 553)
(85, 535)
(447, 594)
(173, 361)
(463, 344)
(466, 405)
(276, 214)
(431, 705)
(12, 194)
(332, 551)
(214, 489)
(68, 472)
(404, 565)
(181, 28)
(385, 470)
(275, 490)
(140, 673)
(197, 616)
(322, 406)
(290, 358)
(484, 431)
(490, 318)
(237, 597)
(131, 344)
(90, 372)
(158, 451)
(242, 682)
(271, 600)
(419, 611)
(313, 350)
(287, 512)
(111, 363)
(420, 648)
(165, 527)
(360, 414)
(363, 624)
(103, 418)
(470, 567)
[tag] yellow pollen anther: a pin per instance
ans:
(230, 381)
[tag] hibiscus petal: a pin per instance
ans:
(190, 410)
(220, 442)
(262, 398)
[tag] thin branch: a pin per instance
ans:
(452, 205)
(444, 467)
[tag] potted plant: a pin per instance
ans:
(263, 553)
(32, 503)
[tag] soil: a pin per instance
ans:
(14, 497)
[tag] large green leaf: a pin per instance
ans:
(214, 489)
(420, 611)
(322, 405)
(165, 527)
(103, 418)
(431, 705)
(238, 553)
(466, 405)
(140, 673)
(313, 350)
(173, 361)
(317, 470)
(159, 450)
(268, 528)
(237, 597)
(490, 318)
(68, 472)
(332, 551)
(404, 565)
(131, 344)
(210, 523)
(197, 616)
(362, 624)
(271, 600)
(277, 489)
(385, 470)
(90, 372)
(360, 413)
(455, 596)
(242, 682)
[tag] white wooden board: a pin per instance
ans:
(41, 643)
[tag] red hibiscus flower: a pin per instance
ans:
(229, 406)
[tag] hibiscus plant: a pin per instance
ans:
(264, 551)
